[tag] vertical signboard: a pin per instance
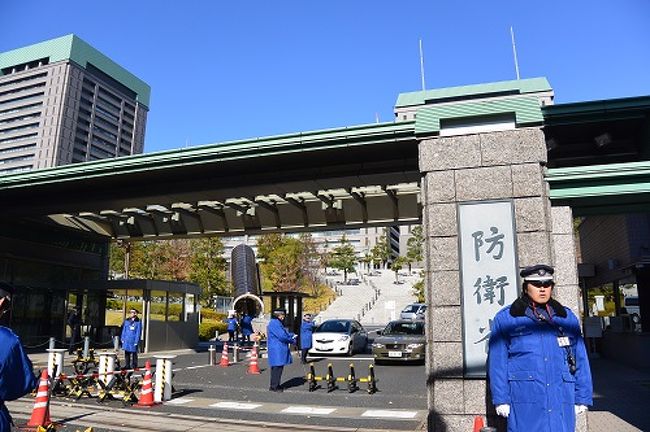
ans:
(489, 274)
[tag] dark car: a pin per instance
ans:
(401, 340)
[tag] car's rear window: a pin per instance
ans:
(334, 327)
(411, 308)
(404, 328)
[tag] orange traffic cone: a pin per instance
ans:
(41, 413)
(478, 424)
(146, 394)
(252, 366)
(224, 356)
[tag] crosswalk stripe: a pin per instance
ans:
(180, 401)
(308, 410)
(235, 405)
(389, 414)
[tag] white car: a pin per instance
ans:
(339, 336)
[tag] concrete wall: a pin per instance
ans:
(481, 167)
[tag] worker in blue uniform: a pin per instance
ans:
(537, 364)
(16, 375)
(246, 327)
(278, 342)
(131, 332)
(306, 330)
(231, 327)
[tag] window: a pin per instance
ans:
(22, 89)
(21, 108)
(20, 118)
(16, 159)
(14, 170)
(175, 306)
(18, 138)
(18, 128)
(106, 112)
(24, 79)
(17, 148)
(158, 306)
(23, 98)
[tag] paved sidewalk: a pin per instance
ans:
(621, 398)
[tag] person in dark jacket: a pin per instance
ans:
(278, 340)
(16, 375)
(75, 329)
(246, 327)
(537, 363)
(131, 332)
(306, 329)
(232, 327)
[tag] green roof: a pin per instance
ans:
(526, 110)
(71, 47)
(302, 142)
(523, 86)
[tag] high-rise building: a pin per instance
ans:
(62, 101)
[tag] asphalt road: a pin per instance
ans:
(204, 391)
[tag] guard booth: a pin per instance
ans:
(292, 302)
(168, 311)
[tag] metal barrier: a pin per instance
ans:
(331, 379)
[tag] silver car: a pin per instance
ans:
(401, 340)
(413, 311)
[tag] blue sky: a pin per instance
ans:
(231, 70)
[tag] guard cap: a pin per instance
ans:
(537, 273)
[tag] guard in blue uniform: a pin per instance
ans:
(306, 330)
(278, 347)
(246, 326)
(537, 365)
(232, 327)
(16, 375)
(131, 332)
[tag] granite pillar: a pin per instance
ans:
(505, 165)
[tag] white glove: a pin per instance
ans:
(504, 410)
(580, 409)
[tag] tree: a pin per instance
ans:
(366, 260)
(267, 243)
(398, 264)
(208, 268)
(149, 265)
(381, 251)
(344, 258)
(284, 267)
(414, 246)
(177, 259)
(418, 290)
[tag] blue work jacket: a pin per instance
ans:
(131, 331)
(247, 325)
(16, 375)
(232, 324)
(529, 370)
(306, 330)
(278, 343)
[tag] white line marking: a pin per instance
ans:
(177, 369)
(308, 410)
(389, 413)
(196, 367)
(310, 357)
(235, 405)
(180, 401)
